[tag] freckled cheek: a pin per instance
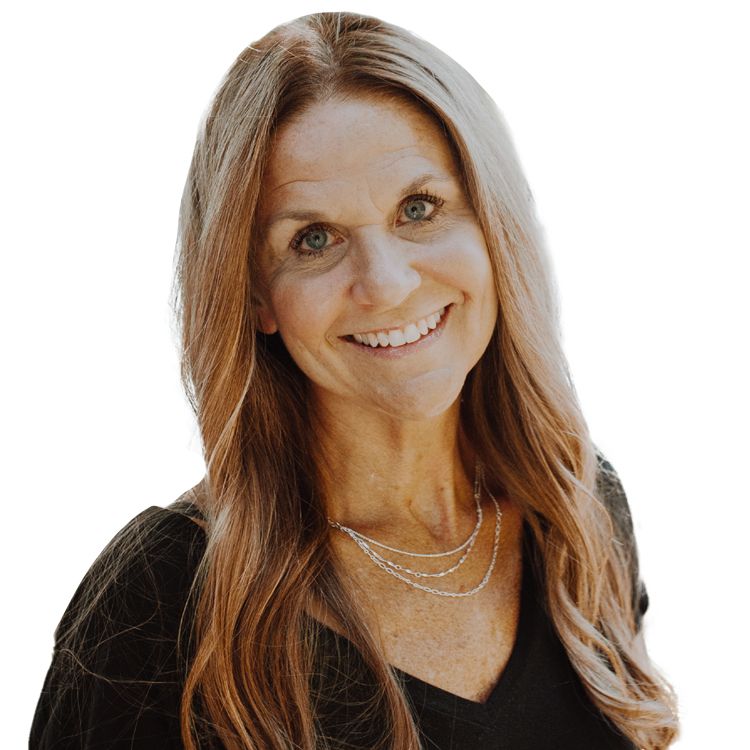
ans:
(461, 259)
(305, 312)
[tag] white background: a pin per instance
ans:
(632, 123)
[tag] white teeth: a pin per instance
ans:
(411, 333)
(400, 336)
(396, 337)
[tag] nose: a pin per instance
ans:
(383, 272)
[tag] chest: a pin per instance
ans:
(460, 645)
(486, 676)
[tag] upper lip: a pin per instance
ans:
(402, 325)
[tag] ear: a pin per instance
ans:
(266, 318)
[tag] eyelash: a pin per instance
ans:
(427, 197)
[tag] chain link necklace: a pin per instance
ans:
(397, 571)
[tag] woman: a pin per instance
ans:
(405, 536)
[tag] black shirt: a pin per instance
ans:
(538, 702)
(129, 695)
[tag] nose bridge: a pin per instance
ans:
(383, 271)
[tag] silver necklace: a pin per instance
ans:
(362, 542)
(396, 570)
(357, 536)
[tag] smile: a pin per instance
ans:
(396, 337)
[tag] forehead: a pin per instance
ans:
(336, 141)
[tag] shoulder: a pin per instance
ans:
(118, 660)
(610, 491)
(137, 588)
(150, 562)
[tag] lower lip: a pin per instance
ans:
(394, 352)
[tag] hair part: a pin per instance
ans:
(268, 557)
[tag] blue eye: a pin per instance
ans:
(416, 210)
(422, 207)
(316, 240)
(311, 240)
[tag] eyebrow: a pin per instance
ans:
(414, 186)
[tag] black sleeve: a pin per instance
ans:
(115, 680)
(612, 494)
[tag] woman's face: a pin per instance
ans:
(376, 271)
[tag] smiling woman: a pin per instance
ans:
(405, 536)
(393, 242)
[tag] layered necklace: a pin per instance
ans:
(401, 572)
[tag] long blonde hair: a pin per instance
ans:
(267, 555)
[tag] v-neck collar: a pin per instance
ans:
(429, 696)
(425, 695)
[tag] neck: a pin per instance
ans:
(406, 483)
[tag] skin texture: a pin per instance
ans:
(348, 173)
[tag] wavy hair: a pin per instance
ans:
(268, 556)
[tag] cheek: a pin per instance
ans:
(305, 309)
(462, 261)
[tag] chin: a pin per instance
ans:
(421, 404)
